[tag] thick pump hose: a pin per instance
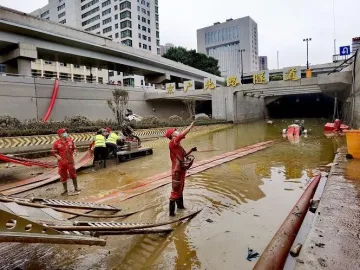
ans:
(52, 101)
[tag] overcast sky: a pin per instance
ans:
(282, 24)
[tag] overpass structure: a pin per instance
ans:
(24, 38)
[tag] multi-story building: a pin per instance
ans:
(133, 23)
(355, 44)
(165, 48)
(227, 41)
(263, 63)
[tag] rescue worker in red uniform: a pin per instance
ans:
(177, 155)
(64, 149)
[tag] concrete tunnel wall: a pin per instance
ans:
(27, 98)
(357, 93)
(236, 107)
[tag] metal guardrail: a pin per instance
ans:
(344, 64)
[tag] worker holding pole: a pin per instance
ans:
(64, 149)
(181, 161)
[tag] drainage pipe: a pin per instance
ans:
(275, 254)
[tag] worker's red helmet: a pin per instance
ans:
(169, 132)
(61, 131)
(108, 129)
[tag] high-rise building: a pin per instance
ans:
(263, 63)
(134, 23)
(355, 44)
(165, 48)
(224, 41)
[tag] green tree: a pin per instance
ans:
(118, 104)
(193, 59)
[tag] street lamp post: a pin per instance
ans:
(307, 51)
(242, 65)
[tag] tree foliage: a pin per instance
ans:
(118, 104)
(193, 59)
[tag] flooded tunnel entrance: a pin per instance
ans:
(303, 106)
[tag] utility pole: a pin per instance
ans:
(242, 65)
(307, 51)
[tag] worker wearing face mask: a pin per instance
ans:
(64, 149)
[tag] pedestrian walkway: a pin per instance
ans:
(334, 239)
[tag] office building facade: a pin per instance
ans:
(133, 23)
(263, 63)
(224, 41)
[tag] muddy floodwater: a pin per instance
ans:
(244, 202)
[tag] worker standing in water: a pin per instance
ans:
(64, 149)
(111, 141)
(181, 161)
(99, 147)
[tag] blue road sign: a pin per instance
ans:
(345, 50)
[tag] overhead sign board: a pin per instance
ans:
(345, 50)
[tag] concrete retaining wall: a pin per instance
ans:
(236, 107)
(27, 98)
(356, 120)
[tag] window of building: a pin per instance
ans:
(129, 82)
(139, 45)
(111, 73)
(158, 42)
(106, 21)
(93, 2)
(125, 24)
(125, 14)
(143, 19)
(125, 4)
(106, 3)
(90, 12)
(61, 7)
(107, 29)
(157, 26)
(139, 26)
(157, 2)
(116, 26)
(61, 14)
(157, 34)
(127, 42)
(93, 19)
(138, 8)
(139, 18)
(116, 35)
(149, 31)
(158, 51)
(144, 28)
(149, 39)
(156, 10)
(76, 66)
(142, 82)
(144, 37)
(116, 17)
(126, 33)
(47, 62)
(157, 17)
(149, 48)
(143, 10)
(106, 12)
(148, 4)
(116, 7)
(143, 2)
(145, 46)
(148, 13)
(139, 35)
(45, 14)
(148, 21)
(101, 80)
(110, 36)
(63, 21)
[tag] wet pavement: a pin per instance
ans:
(334, 239)
(244, 202)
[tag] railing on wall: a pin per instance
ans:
(344, 64)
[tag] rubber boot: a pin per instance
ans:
(77, 189)
(65, 189)
(172, 209)
(180, 203)
(104, 165)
